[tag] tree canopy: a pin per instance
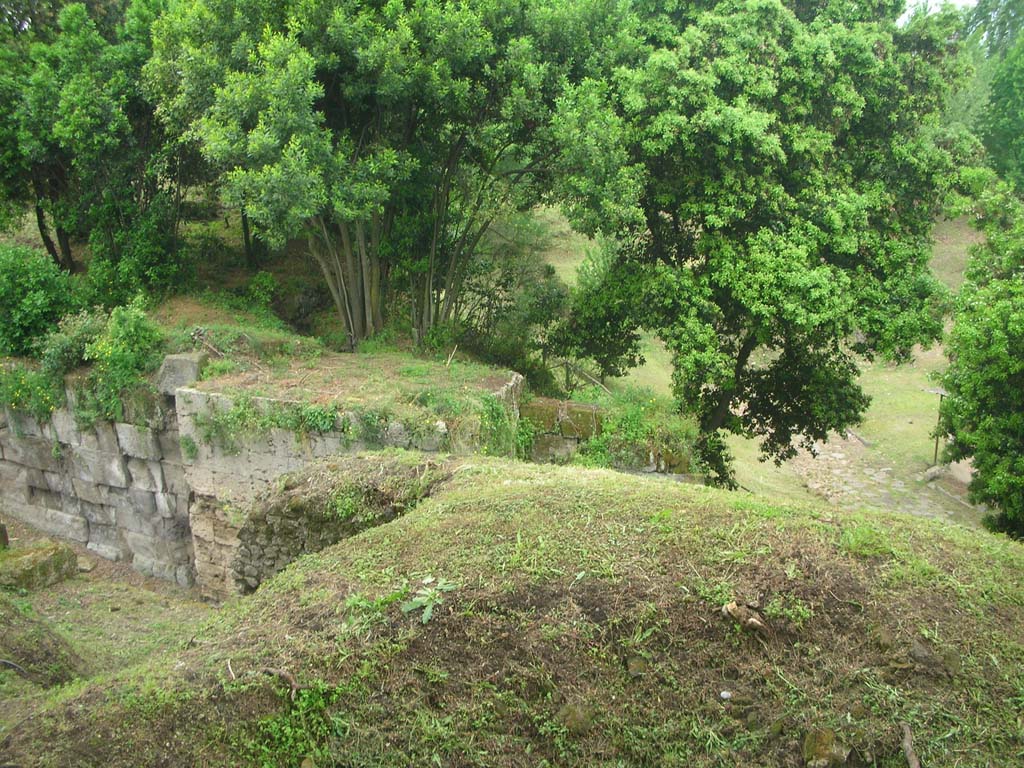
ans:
(390, 136)
(763, 173)
(1004, 120)
(784, 178)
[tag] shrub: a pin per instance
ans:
(34, 293)
(129, 347)
(63, 349)
(30, 391)
(639, 427)
(261, 290)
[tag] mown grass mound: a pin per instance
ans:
(575, 618)
(33, 650)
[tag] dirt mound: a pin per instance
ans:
(526, 616)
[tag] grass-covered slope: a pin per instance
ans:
(575, 619)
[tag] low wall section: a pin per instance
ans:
(128, 491)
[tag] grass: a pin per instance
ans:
(579, 624)
(111, 617)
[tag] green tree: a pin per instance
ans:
(984, 413)
(389, 135)
(1000, 20)
(36, 167)
(785, 175)
(1004, 121)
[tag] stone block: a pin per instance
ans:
(102, 468)
(101, 438)
(14, 482)
(329, 444)
(139, 518)
(167, 505)
(23, 425)
(143, 502)
(553, 448)
(179, 371)
(138, 442)
(95, 493)
(175, 480)
(397, 436)
(432, 440)
(57, 482)
(170, 445)
(98, 515)
(145, 475)
(542, 412)
(106, 551)
(41, 497)
(579, 421)
(35, 452)
(37, 566)
(65, 428)
(184, 575)
(53, 521)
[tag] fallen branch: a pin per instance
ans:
(231, 671)
(15, 667)
(908, 747)
(286, 676)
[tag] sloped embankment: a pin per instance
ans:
(527, 615)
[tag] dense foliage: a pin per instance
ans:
(984, 414)
(390, 136)
(34, 294)
(1004, 121)
(762, 174)
(83, 150)
(120, 348)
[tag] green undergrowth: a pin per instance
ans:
(576, 620)
(110, 355)
(238, 331)
(369, 401)
(479, 420)
(639, 427)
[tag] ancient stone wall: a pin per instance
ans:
(559, 427)
(159, 495)
(117, 488)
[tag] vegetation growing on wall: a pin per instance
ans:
(120, 348)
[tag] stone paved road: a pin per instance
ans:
(849, 474)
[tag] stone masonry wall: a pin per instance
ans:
(129, 492)
(224, 482)
(118, 488)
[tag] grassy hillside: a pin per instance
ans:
(575, 620)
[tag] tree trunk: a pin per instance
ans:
(45, 235)
(247, 242)
(64, 240)
(714, 421)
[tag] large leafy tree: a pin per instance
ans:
(984, 414)
(785, 177)
(389, 135)
(1000, 20)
